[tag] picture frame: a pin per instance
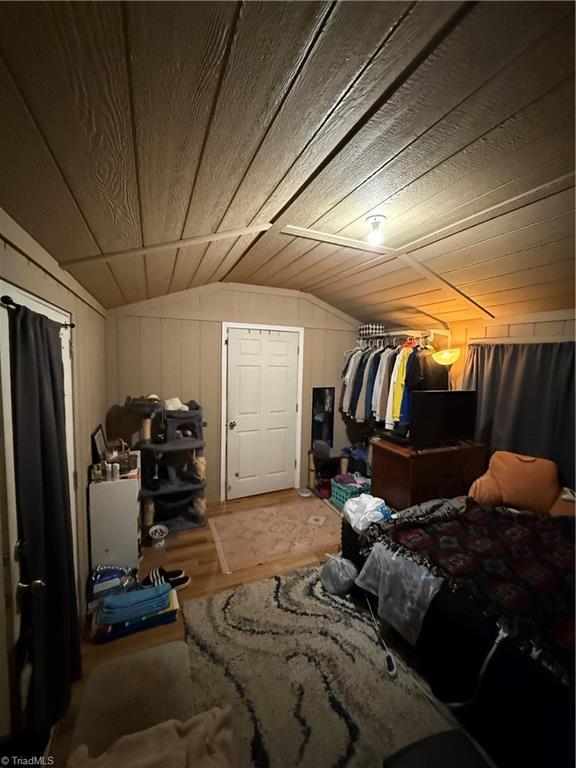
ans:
(99, 444)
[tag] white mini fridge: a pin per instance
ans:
(115, 522)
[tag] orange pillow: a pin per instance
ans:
(486, 490)
(521, 482)
(562, 508)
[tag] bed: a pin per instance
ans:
(460, 580)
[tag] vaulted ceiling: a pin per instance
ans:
(123, 125)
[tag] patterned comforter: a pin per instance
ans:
(517, 566)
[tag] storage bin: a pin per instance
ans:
(341, 492)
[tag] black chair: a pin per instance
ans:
(325, 465)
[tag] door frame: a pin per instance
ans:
(224, 397)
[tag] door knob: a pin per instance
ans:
(23, 589)
(232, 425)
(32, 586)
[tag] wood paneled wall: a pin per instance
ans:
(40, 275)
(172, 346)
(545, 326)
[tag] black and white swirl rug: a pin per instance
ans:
(304, 675)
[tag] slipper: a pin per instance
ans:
(177, 579)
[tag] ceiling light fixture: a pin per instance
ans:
(376, 235)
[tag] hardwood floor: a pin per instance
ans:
(195, 552)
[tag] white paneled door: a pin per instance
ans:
(262, 411)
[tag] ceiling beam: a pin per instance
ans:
(345, 242)
(168, 246)
(411, 261)
(440, 281)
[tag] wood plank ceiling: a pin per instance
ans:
(128, 124)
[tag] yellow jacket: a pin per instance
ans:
(399, 383)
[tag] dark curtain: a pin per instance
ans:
(49, 636)
(525, 400)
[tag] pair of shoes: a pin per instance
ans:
(177, 579)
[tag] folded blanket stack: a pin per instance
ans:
(120, 615)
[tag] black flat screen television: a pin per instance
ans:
(441, 416)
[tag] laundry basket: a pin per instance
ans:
(341, 492)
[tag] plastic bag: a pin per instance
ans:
(404, 589)
(338, 575)
(361, 511)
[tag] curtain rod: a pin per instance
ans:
(523, 340)
(8, 302)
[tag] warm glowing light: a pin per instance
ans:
(375, 236)
(446, 356)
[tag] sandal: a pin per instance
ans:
(177, 579)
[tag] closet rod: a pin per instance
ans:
(8, 302)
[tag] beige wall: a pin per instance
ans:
(40, 275)
(556, 325)
(172, 346)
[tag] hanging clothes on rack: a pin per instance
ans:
(422, 372)
(411, 381)
(379, 375)
(361, 413)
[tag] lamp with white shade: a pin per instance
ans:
(447, 356)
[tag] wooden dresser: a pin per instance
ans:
(404, 476)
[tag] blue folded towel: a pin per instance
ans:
(136, 612)
(136, 597)
(132, 605)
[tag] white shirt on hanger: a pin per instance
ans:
(381, 397)
(349, 378)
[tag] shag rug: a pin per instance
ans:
(252, 537)
(305, 677)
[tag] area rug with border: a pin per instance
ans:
(305, 676)
(254, 536)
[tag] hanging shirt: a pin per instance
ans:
(342, 393)
(378, 381)
(389, 416)
(348, 357)
(397, 387)
(344, 372)
(358, 381)
(387, 366)
(374, 367)
(349, 379)
(434, 375)
(360, 413)
(412, 381)
(399, 383)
